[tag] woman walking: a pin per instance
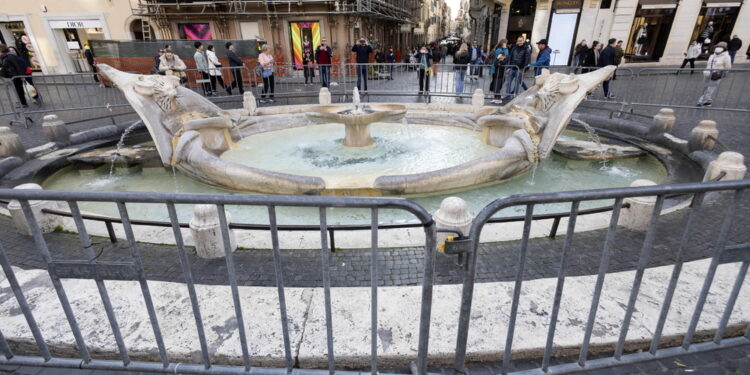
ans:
(266, 62)
(461, 61)
(691, 54)
(591, 62)
(213, 71)
(718, 60)
(424, 57)
(497, 67)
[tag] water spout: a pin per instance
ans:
(356, 101)
(594, 138)
(121, 143)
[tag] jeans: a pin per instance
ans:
(325, 75)
(309, 73)
(237, 74)
(268, 86)
(731, 55)
(496, 86)
(390, 70)
(459, 76)
(424, 81)
(361, 75)
(18, 85)
(605, 87)
(514, 81)
(708, 91)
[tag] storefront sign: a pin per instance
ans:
(75, 24)
(722, 3)
(658, 4)
(521, 23)
(568, 4)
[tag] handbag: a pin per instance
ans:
(715, 76)
(30, 90)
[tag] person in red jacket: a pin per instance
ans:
(323, 55)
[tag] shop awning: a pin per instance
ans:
(658, 4)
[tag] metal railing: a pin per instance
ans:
(88, 266)
(721, 254)
(81, 98)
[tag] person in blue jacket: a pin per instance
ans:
(543, 59)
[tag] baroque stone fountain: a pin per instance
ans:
(195, 136)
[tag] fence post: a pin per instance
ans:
(47, 223)
(206, 230)
(731, 163)
(636, 212)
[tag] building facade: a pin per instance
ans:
(652, 30)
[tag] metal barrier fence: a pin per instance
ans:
(81, 97)
(88, 266)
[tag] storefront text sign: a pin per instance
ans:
(568, 4)
(75, 24)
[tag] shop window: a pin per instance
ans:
(141, 30)
(717, 23)
(606, 4)
(649, 33)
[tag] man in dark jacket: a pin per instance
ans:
(518, 60)
(323, 55)
(236, 64)
(733, 46)
(363, 51)
(607, 57)
(9, 68)
(543, 58)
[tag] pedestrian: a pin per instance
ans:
(10, 68)
(157, 62)
(606, 58)
(380, 61)
(461, 60)
(435, 59)
(201, 63)
(733, 46)
(424, 57)
(518, 59)
(543, 58)
(363, 51)
(705, 36)
(323, 56)
(308, 61)
(501, 48)
(443, 53)
(265, 59)
(235, 64)
(476, 59)
(580, 52)
(214, 70)
(692, 53)
(172, 65)
(25, 68)
(390, 58)
(168, 48)
(591, 62)
(90, 58)
(718, 60)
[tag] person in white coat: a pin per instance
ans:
(213, 64)
(692, 53)
(713, 74)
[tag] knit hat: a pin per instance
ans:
(721, 44)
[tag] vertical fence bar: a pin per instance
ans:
(603, 266)
(726, 226)
(326, 270)
(188, 273)
(4, 347)
(648, 243)
(517, 287)
(697, 203)
(280, 287)
(135, 254)
(41, 245)
(228, 255)
(560, 284)
(427, 286)
(374, 291)
(24, 306)
(730, 303)
(111, 316)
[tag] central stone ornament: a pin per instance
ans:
(357, 118)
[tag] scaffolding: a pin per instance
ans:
(399, 11)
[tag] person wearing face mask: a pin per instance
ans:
(718, 60)
(424, 59)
